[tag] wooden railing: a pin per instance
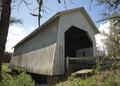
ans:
(81, 59)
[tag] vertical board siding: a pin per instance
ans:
(37, 54)
(38, 61)
(65, 22)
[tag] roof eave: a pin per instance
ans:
(90, 20)
(33, 33)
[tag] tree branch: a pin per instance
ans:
(116, 17)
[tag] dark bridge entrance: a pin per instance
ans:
(77, 44)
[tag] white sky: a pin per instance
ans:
(17, 33)
(100, 37)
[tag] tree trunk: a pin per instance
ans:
(4, 25)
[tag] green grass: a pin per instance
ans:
(5, 68)
(104, 78)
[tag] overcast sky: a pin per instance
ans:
(18, 32)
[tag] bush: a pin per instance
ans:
(7, 57)
(20, 80)
(106, 63)
(112, 81)
(5, 68)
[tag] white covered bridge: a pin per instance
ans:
(69, 33)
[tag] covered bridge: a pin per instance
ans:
(69, 33)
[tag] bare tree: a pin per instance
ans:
(110, 6)
(40, 3)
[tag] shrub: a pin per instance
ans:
(20, 80)
(106, 63)
(112, 81)
(5, 68)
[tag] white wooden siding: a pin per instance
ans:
(67, 20)
(36, 55)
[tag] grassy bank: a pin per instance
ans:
(104, 78)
